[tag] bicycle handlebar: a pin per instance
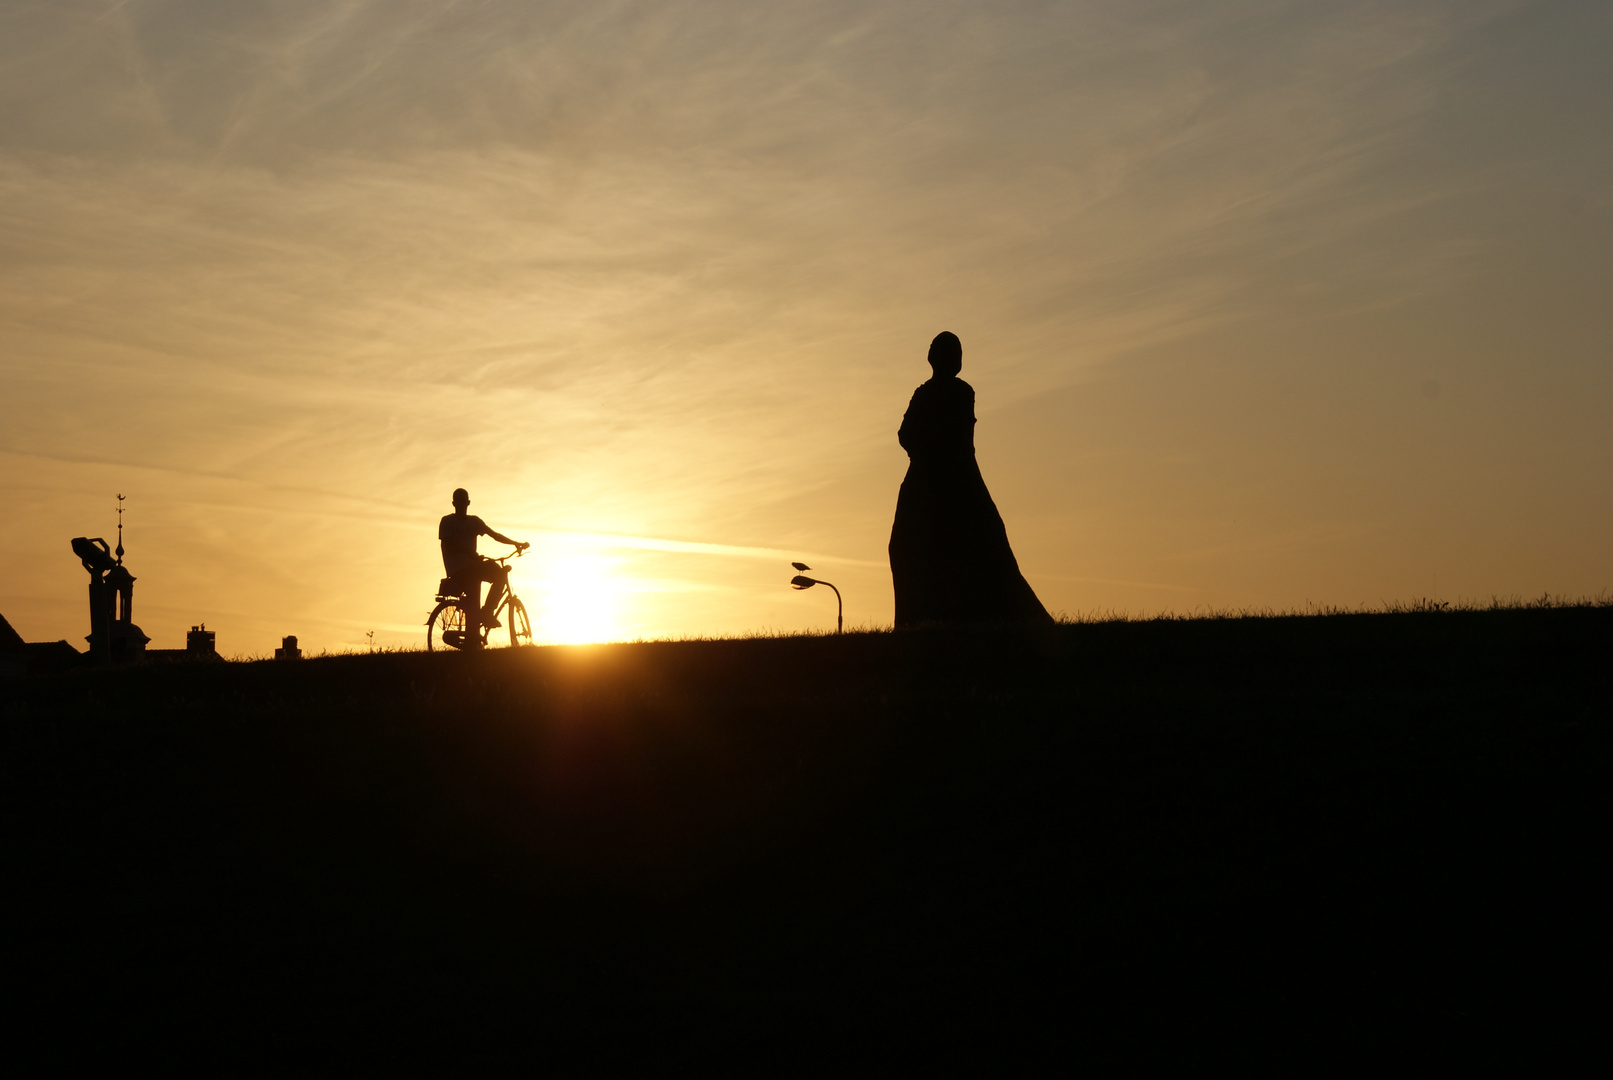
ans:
(520, 549)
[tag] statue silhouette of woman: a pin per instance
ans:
(950, 559)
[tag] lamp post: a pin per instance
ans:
(801, 581)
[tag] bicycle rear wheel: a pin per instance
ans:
(520, 628)
(446, 627)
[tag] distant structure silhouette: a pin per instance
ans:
(113, 635)
(13, 650)
(950, 558)
(200, 641)
(18, 657)
(10, 640)
(465, 568)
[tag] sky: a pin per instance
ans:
(1266, 305)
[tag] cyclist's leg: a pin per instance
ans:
(471, 587)
(498, 583)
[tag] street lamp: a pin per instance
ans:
(801, 581)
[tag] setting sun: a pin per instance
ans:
(574, 600)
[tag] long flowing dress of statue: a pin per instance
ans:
(950, 558)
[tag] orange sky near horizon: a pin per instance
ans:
(1265, 304)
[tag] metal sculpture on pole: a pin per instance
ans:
(113, 635)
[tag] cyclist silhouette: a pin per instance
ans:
(458, 532)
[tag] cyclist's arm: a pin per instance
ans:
(501, 538)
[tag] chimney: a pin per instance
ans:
(199, 642)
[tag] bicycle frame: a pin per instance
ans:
(451, 620)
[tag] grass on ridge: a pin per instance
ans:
(1314, 840)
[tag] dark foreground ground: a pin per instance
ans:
(1351, 840)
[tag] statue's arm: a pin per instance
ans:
(908, 433)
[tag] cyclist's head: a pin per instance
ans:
(461, 497)
(946, 354)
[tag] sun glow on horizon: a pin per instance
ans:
(576, 600)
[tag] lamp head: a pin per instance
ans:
(801, 582)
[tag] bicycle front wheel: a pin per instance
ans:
(446, 627)
(520, 629)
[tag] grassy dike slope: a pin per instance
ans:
(1328, 839)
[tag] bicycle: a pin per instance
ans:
(448, 624)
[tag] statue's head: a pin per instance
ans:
(946, 354)
(461, 498)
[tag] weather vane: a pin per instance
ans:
(119, 551)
